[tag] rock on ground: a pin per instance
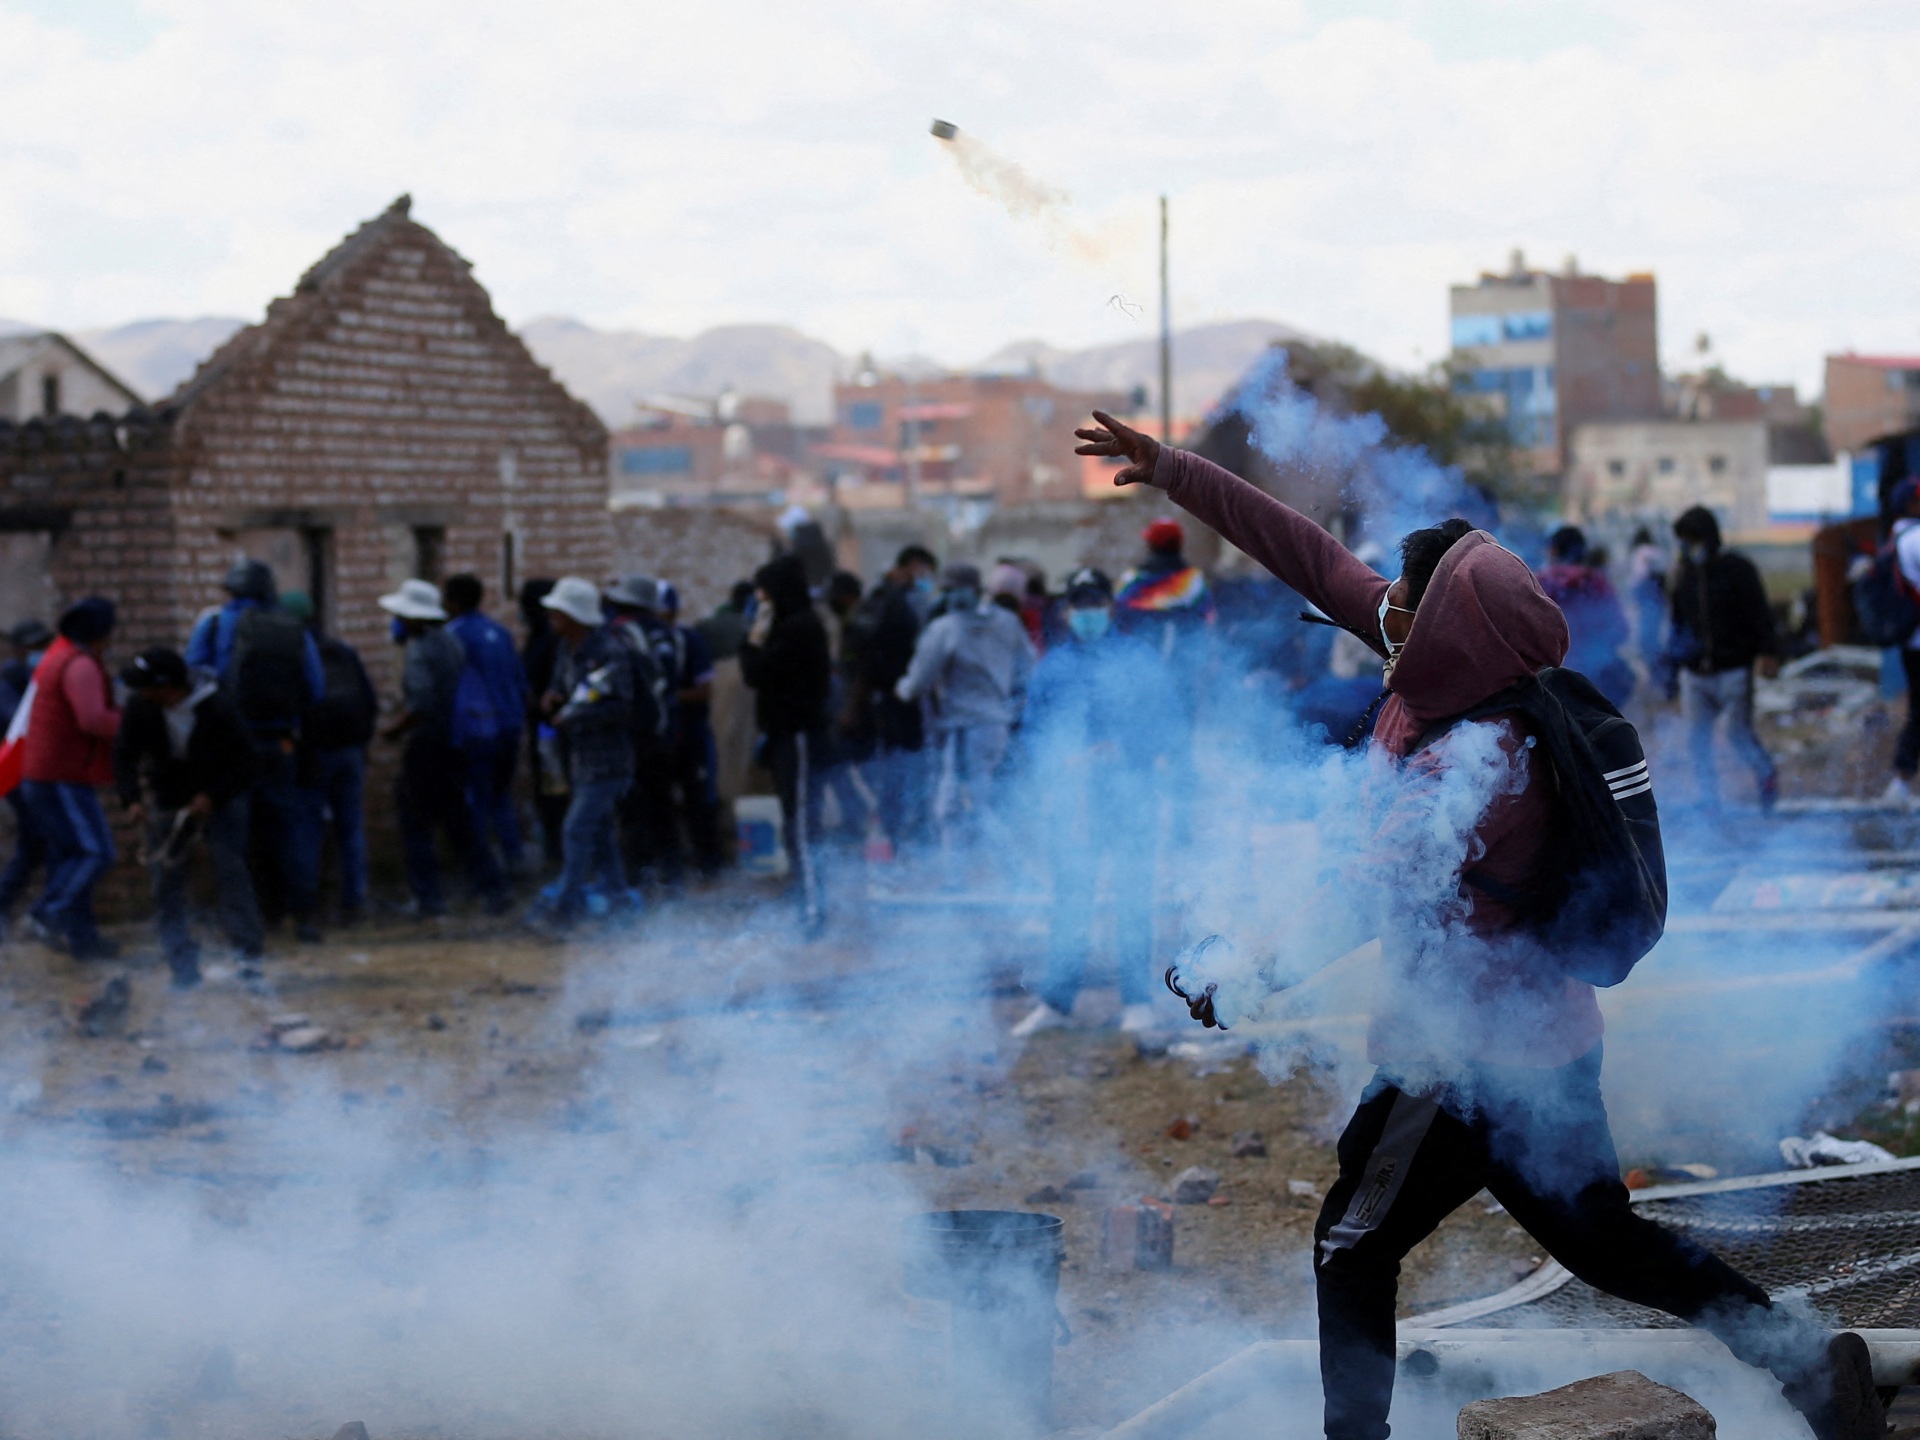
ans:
(1622, 1406)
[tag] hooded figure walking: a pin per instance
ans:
(1488, 1051)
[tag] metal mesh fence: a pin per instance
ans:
(1848, 1239)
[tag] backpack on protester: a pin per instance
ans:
(1885, 602)
(345, 714)
(267, 672)
(1601, 903)
(652, 712)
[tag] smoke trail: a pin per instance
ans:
(1026, 197)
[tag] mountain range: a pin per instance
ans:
(612, 370)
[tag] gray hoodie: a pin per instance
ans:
(974, 668)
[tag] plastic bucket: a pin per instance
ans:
(757, 819)
(1000, 1271)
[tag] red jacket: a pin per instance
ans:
(1466, 985)
(70, 732)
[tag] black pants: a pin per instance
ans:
(431, 794)
(1539, 1140)
(799, 782)
(1906, 750)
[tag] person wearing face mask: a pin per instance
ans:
(971, 667)
(1488, 1048)
(1722, 632)
(1098, 716)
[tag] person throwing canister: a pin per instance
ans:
(1488, 1049)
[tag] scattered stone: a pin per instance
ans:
(154, 1065)
(1137, 1237)
(1249, 1145)
(1303, 1190)
(1048, 1195)
(106, 1013)
(298, 1035)
(1084, 1180)
(1195, 1185)
(1183, 1128)
(352, 1430)
(436, 1022)
(1520, 1269)
(1622, 1406)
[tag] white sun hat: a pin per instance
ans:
(579, 599)
(415, 600)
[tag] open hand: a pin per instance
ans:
(1111, 438)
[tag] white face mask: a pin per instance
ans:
(1393, 647)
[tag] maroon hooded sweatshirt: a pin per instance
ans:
(1487, 994)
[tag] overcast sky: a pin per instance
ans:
(671, 166)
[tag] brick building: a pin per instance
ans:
(1870, 396)
(1001, 438)
(380, 423)
(733, 450)
(1549, 353)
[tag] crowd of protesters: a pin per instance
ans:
(933, 714)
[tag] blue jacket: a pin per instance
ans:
(491, 653)
(211, 645)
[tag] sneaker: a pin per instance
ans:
(1137, 1019)
(1043, 1017)
(1838, 1398)
(45, 934)
(1898, 794)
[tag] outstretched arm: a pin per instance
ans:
(1286, 542)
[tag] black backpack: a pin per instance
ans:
(267, 672)
(345, 713)
(652, 712)
(1601, 901)
(1884, 603)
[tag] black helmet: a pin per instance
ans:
(251, 580)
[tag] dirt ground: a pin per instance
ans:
(469, 1029)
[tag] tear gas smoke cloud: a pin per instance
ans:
(693, 1245)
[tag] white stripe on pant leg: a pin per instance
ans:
(1386, 1171)
(809, 901)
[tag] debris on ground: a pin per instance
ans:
(1183, 1128)
(1625, 1405)
(1137, 1236)
(1195, 1185)
(1049, 1195)
(106, 1013)
(1303, 1189)
(1640, 1177)
(1085, 1180)
(298, 1035)
(1248, 1145)
(1824, 1149)
(352, 1430)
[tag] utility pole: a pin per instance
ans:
(1166, 337)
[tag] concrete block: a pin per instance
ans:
(1622, 1406)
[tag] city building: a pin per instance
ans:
(1550, 353)
(1004, 439)
(44, 376)
(684, 451)
(380, 423)
(1651, 470)
(1869, 397)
